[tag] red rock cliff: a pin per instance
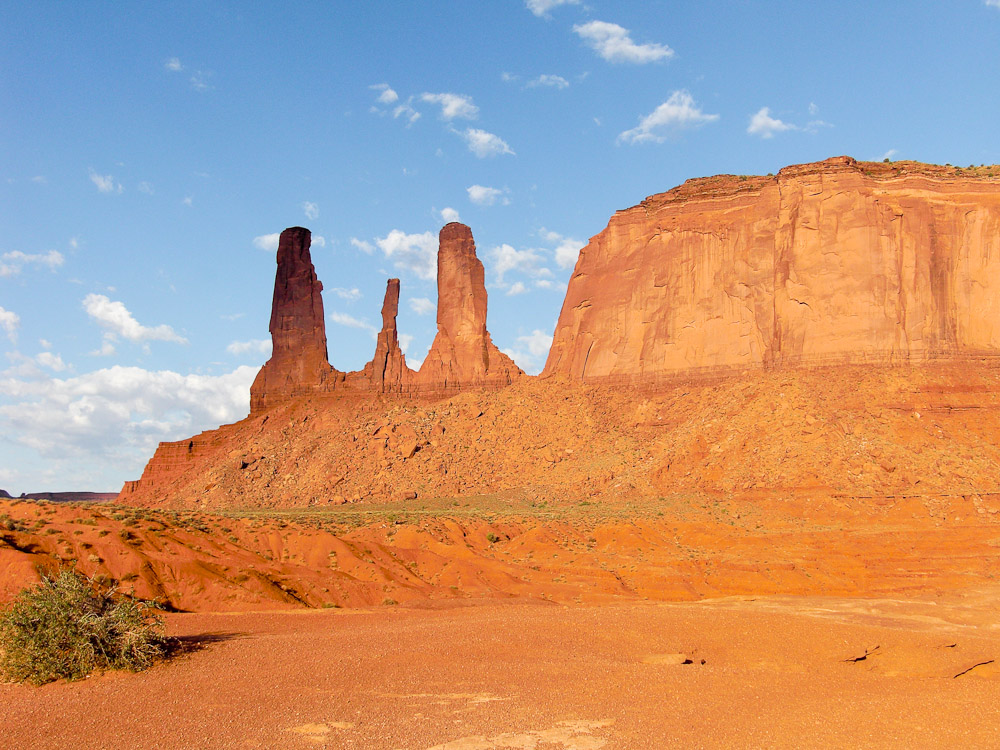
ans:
(462, 352)
(837, 261)
(298, 362)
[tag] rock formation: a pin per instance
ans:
(298, 362)
(463, 352)
(387, 371)
(832, 262)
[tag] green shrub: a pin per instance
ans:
(70, 625)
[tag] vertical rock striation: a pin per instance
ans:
(462, 353)
(827, 263)
(298, 363)
(387, 372)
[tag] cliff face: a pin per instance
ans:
(833, 262)
(298, 362)
(462, 352)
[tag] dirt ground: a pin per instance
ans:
(772, 672)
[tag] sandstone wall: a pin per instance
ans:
(833, 262)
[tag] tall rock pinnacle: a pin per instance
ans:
(298, 362)
(387, 371)
(463, 352)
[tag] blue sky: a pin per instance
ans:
(150, 153)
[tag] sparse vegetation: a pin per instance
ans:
(70, 625)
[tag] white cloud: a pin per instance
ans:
(351, 322)
(567, 249)
(105, 183)
(888, 154)
(386, 94)
(267, 241)
(412, 252)
(45, 343)
(407, 112)
(9, 321)
(993, 3)
(199, 81)
(506, 258)
(106, 350)
(482, 195)
(550, 284)
(187, 200)
(509, 77)
(530, 351)
(405, 340)
(12, 262)
(613, 43)
(453, 106)
(765, 126)
(52, 361)
(541, 8)
(145, 187)
(254, 346)
(422, 306)
(317, 240)
(484, 144)
(116, 320)
(363, 246)
(449, 215)
(39, 179)
(676, 113)
(311, 210)
(173, 64)
(118, 414)
(348, 294)
(814, 110)
(548, 80)
(516, 288)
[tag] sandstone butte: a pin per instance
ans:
(693, 351)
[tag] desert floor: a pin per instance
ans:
(737, 672)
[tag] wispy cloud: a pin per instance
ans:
(506, 258)
(311, 210)
(552, 81)
(453, 106)
(349, 294)
(343, 319)
(676, 113)
(484, 144)
(173, 65)
(614, 43)
(386, 95)
(765, 126)
(11, 263)
(530, 351)
(482, 195)
(117, 321)
(516, 288)
(254, 346)
(9, 322)
(541, 8)
(363, 245)
(105, 183)
(567, 249)
(267, 241)
(422, 306)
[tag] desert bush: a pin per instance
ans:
(70, 625)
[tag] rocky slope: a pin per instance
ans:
(834, 262)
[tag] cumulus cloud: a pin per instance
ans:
(449, 215)
(516, 288)
(762, 124)
(267, 241)
(614, 44)
(311, 210)
(453, 106)
(119, 414)
(105, 183)
(254, 346)
(386, 95)
(53, 361)
(541, 8)
(483, 196)
(173, 64)
(11, 263)
(676, 113)
(411, 252)
(407, 112)
(484, 144)
(362, 245)
(422, 306)
(506, 258)
(567, 249)
(116, 320)
(9, 321)
(343, 319)
(530, 351)
(552, 81)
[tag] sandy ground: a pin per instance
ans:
(772, 672)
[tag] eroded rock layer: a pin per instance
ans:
(833, 262)
(387, 372)
(462, 352)
(298, 362)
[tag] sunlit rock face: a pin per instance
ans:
(833, 262)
